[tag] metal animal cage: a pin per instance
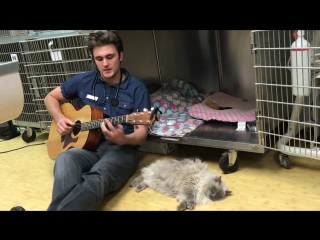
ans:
(18, 35)
(45, 63)
(287, 72)
(12, 52)
(11, 33)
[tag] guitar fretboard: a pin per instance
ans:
(96, 123)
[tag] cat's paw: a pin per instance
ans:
(191, 205)
(136, 181)
(182, 206)
(141, 186)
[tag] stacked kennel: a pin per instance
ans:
(211, 61)
(259, 69)
(287, 72)
(10, 50)
(46, 60)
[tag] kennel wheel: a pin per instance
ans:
(29, 135)
(284, 161)
(224, 162)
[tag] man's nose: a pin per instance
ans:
(105, 62)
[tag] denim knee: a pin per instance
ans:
(63, 162)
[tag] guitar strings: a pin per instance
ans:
(78, 125)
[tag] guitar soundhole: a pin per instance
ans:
(77, 128)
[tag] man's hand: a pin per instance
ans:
(113, 134)
(64, 125)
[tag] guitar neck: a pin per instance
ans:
(85, 126)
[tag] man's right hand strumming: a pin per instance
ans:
(64, 125)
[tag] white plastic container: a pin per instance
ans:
(300, 57)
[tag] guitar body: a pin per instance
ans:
(88, 140)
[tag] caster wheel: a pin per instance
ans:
(284, 161)
(29, 135)
(224, 164)
(18, 208)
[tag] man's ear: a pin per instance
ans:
(121, 56)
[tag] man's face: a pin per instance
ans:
(107, 60)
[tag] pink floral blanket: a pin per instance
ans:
(174, 100)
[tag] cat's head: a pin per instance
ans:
(216, 189)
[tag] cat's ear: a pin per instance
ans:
(218, 179)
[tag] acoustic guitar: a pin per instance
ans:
(86, 133)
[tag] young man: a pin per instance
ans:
(83, 178)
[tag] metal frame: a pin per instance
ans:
(295, 115)
(40, 73)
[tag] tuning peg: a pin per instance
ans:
(145, 110)
(152, 108)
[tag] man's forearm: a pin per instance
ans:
(53, 107)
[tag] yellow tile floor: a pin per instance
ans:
(260, 183)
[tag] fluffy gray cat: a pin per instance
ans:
(187, 180)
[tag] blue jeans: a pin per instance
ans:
(82, 178)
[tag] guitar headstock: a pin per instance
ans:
(143, 118)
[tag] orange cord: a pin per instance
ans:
(295, 35)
